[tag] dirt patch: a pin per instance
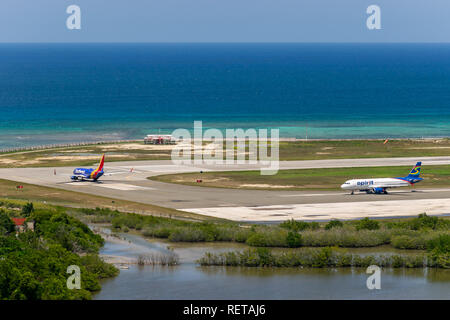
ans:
(14, 161)
(8, 161)
(217, 179)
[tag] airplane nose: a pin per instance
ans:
(343, 186)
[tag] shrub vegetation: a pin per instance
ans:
(33, 265)
(413, 233)
(334, 224)
(326, 257)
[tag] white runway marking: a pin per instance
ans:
(311, 194)
(163, 168)
(117, 186)
(123, 187)
(119, 172)
(327, 211)
(433, 190)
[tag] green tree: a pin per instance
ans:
(299, 225)
(293, 239)
(367, 224)
(6, 224)
(33, 265)
(257, 240)
(27, 209)
(424, 222)
(334, 224)
(440, 251)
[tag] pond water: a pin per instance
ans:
(192, 281)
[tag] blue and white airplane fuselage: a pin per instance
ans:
(380, 185)
(89, 174)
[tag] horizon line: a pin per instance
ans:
(224, 42)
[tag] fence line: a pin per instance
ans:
(62, 145)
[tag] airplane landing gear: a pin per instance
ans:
(353, 192)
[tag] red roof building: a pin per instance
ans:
(19, 221)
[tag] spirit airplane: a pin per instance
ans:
(380, 185)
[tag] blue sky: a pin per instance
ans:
(224, 21)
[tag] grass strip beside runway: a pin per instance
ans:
(30, 192)
(305, 179)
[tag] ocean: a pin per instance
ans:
(61, 93)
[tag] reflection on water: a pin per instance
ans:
(191, 281)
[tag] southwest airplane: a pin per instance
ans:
(380, 185)
(89, 174)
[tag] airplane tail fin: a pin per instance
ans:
(415, 172)
(102, 162)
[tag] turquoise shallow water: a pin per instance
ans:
(58, 93)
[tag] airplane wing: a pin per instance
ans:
(114, 173)
(386, 185)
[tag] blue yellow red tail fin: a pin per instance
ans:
(102, 162)
(415, 172)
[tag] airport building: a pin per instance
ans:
(159, 139)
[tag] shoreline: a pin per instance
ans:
(281, 139)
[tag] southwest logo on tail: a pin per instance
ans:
(89, 174)
(380, 185)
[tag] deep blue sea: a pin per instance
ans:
(57, 93)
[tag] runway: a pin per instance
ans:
(127, 181)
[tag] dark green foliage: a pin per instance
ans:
(40, 273)
(33, 266)
(311, 257)
(95, 265)
(6, 224)
(408, 242)
(439, 249)
(362, 233)
(440, 244)
(67, 231)
(299, 225)
(346, 237)
(422, 222)
(190, 235)
(293, 239)
(160, 231)
(27, 209)
(99, 215)
(314, 225)
(322, 258)
(334, 224)
(257, 240)
(129, 221)
(367, 224)
(265, 257)
(266, 237)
